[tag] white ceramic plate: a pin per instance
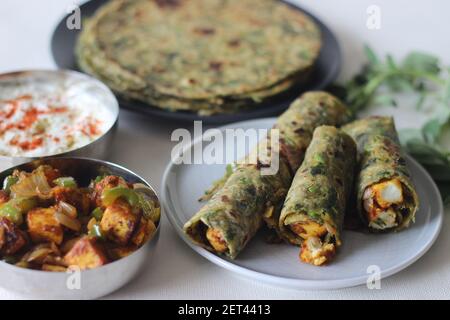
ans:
(278, 264)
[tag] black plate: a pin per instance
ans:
(325, 72)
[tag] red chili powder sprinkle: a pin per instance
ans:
(12, 111)
(8, 127)
(8, 114)
(93, 129)
(16, 100)
(25, 97)
(28, 119)
(14, 141)
(31, 145)
(58, 109)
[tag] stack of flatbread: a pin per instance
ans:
(203, 56)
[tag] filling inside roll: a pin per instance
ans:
(216, 240)
(385, 204)
(209, 237)
(319, 241)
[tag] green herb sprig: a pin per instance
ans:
(383, 80)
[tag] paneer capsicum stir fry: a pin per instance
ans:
(48, 222)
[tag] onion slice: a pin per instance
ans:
(68, 222)
(34, 184)
(39, 254)
(67, 209)
(148, 202)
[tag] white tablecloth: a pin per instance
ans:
(143, 145)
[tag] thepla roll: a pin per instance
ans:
(313, 212)
(236, 209)
(386, 197)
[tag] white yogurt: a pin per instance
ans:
(47, 116)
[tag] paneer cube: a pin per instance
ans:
(12, 239)
(388, 193)
(119, 222)
(309, 228)
(317, 253)
(86, 254)
(144, 232)
(378, 201)
(43, 226)
(216, 240)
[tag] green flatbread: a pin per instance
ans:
(208, 56)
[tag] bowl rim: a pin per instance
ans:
(108, 163)
(114, 108)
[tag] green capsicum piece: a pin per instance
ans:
(15, 208)
(97, 213)
(96, 231)
(9, 211)
(66, 182)
(9, 182)
(111, 195)
(146, 206)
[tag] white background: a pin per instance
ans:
(143, 145)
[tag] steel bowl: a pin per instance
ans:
(87, 284)
(77, 86)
